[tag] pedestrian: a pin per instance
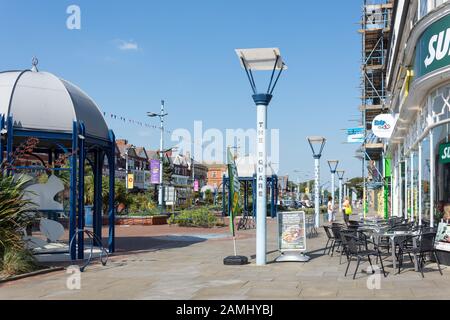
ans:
(347, 210)
(330, 209)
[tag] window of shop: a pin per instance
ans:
(425, 6)
(425, 190)
(442, 170)
(414, 196)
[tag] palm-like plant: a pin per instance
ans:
(14, 212)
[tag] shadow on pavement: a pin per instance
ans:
(130, 245)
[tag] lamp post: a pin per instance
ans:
(333, 164)
(161, 116)
(340, 174)
(317, 144)
(126, 166)
(264, 59)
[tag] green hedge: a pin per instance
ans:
(201, 217)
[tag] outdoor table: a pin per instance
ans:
(394, 234)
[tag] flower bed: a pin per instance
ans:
(142, 220)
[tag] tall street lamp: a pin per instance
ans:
(161, 116)
(333, 164)
(127, 171)
(317, 144)
(340, 174)
(264, 59)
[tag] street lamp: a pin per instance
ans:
(263, 59)
(340, 174)
(333, 164)
(161, 116)
(317, 144)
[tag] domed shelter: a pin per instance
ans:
(64, 123)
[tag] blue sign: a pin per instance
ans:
(355, 135)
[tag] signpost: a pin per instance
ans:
(292, 237)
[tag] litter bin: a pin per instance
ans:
(88, 216)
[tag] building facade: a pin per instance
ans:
(215, 175)
(418, 80)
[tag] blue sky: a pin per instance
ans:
(183, 52)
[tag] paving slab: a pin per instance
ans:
(195, 270)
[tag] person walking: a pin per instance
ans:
(330, 209)
(347, 210)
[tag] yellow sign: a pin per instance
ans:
(306, 190)
(130, 181)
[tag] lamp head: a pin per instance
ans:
(333, 164)
(317, 143)
(340, 174)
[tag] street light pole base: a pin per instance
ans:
(292, 257)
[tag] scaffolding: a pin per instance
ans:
(376, 33)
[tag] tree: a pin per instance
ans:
(358, 185)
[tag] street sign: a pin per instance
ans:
(355, 135)
(383, 126)
(444, 153)
(130, 178)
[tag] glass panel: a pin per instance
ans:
(425, 179)
(442, 171)
(415, 191)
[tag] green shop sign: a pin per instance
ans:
(433, 48)
(444, 153)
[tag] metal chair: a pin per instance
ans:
(330, 240)
(358, 247)
(426, 246)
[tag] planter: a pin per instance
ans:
(142, 221)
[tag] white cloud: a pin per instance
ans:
(127, 45)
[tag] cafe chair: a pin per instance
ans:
(426, 245)
(358, 247)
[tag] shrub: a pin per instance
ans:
(16, 214)
(195, 218)
(18, 262)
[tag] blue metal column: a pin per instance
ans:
(81, 218)
(229, 197)
(254, 196)
(245, 196)
(223, 195)
(2, 126)
(272, 198)
(112, 196)
(9, 142)
(276, 195)
(98, 203)
(73, 193)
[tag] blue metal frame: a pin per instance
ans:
(273, 186)
(2, 126)
(112, 212)
(9, 140)
(98, 203)
(73, 193)
(81, 163)
(79, 145)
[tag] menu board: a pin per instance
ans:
(291, 231)
(443, 237)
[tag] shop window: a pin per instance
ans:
(425, 166)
